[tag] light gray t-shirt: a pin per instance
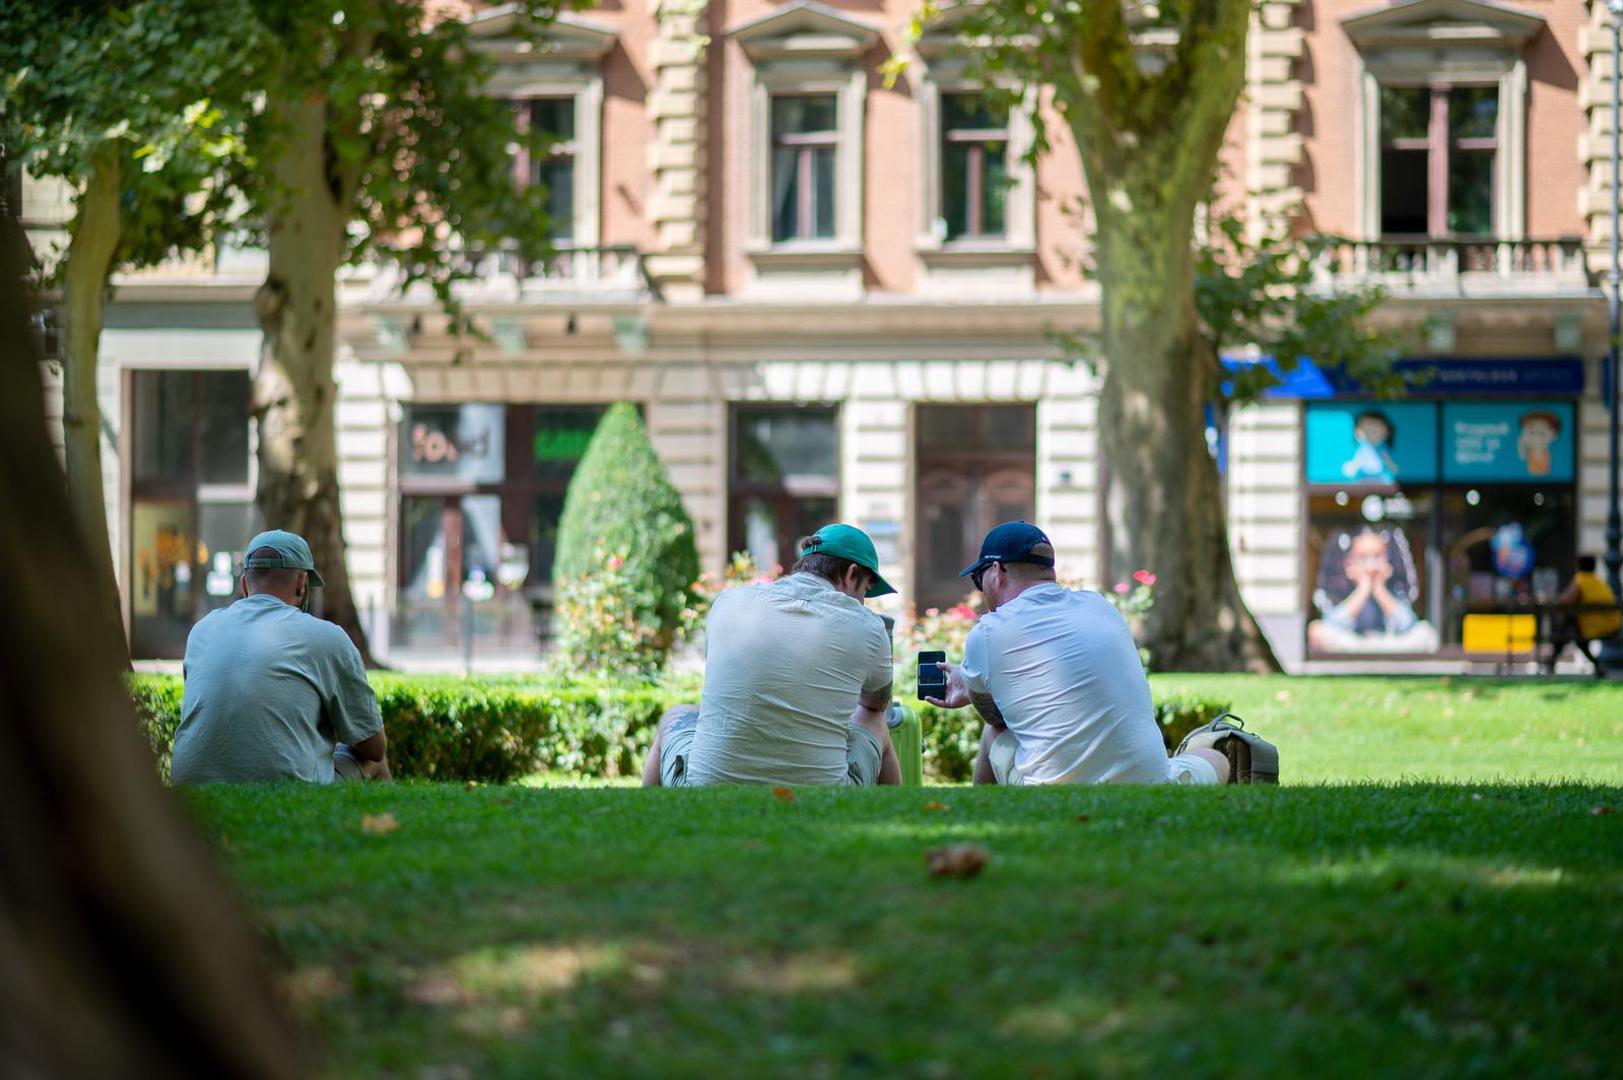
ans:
(269, 689)
(1064, 671)
(785, 663)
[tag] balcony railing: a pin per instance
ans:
(1423, 264)
(612, 270)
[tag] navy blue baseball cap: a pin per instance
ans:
(1013, 541)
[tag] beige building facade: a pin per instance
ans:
(834, 298)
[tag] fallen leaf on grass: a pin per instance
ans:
(1603, 810)
(937, 806)
(378, 824)
(956, 860)
(1081, 817)
(783, 794)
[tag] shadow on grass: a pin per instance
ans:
(1450, 928)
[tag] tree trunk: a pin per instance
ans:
(1149, 147)
(295, 396)
(89, 265)
(122, 950)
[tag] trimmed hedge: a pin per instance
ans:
(496, 730)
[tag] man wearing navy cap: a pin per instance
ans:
(1056, 676)
(796, 682)
(272, 692)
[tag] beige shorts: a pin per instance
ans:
(863, 754)
(1183, 769)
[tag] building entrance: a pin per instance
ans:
(977, 466)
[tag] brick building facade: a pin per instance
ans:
(832, 299)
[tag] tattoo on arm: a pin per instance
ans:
(987, 708)
(877, 700)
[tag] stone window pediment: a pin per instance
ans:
(1442, 23)
(805, 29)
(566, 37)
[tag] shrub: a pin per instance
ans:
(1182, 711)
(495, 730)
(627, 561)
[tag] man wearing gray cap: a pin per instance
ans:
(272, 692)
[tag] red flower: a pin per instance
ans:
(615, 562)
(1144, 577)
(964, 611)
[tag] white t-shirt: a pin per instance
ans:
(1064, 671)
(785, 663)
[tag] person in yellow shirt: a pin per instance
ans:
(1586, 589)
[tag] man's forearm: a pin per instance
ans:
(988, 709)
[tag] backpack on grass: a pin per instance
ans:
(1252, 760)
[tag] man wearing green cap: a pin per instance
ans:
(272, 692)
(797, 680)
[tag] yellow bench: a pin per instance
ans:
(1500, 635)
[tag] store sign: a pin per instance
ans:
(1454, 376)
(1371, 442)
(462, 442)
(1508, 442)
(560, 444)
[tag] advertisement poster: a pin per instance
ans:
(1366, 594)
(1524, 442)
(1372, 442)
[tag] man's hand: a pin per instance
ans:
(376, 770)
(957, 690)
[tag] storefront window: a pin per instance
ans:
(784, 480)
(482, 492)
(1420, 513)
(191, 504)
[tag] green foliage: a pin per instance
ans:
(1267, 294)
(495, 730)
(157, 700)
(160, 86)
(627, 565)
(420, 161)
(1181, 711)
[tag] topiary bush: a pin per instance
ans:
(627, 562)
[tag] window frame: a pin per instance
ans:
(780, 496)
(806, 144)
(1440, 145)
(979, 141)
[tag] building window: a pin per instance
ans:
(784, 481)
(481, 494)
(1437, 160)
(805, 135)
(554, 167)
(191, 501)
(974, 168)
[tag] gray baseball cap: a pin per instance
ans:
(292, 553)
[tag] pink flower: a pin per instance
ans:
(964, 611)
(1144, 577)
(1121, 588)
(615, 562)
(930, 613)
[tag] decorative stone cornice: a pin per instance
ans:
(805, 29)
(565, 37)
(1441, 22)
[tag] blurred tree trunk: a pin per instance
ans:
(295, 395)
(122, 950)
(89, 264)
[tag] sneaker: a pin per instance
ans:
(1252, 760)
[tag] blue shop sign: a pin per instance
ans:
(1455, 376)
(1508, 442)
(1371, 442)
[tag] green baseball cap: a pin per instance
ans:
(292, 553)
(849, 542)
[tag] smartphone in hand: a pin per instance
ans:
(932, 680)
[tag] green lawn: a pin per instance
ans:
(1475, 926)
